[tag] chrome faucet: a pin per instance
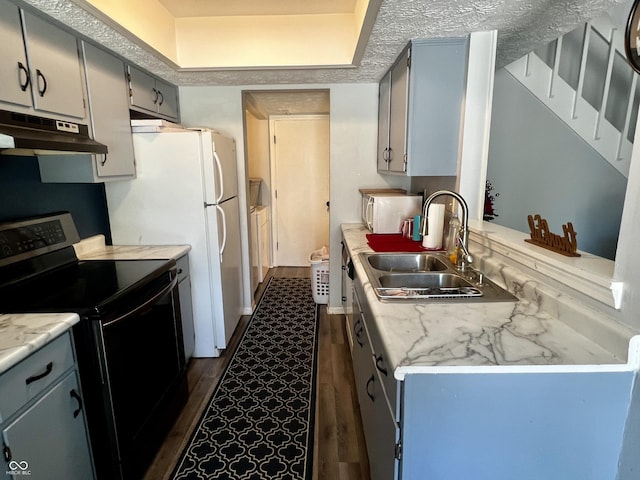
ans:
(463, 261)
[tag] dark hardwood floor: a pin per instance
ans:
(339, 451)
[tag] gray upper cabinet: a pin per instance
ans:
(14, 76)
(109, 106)
(109, 122)
(56, 82)
(41, 67)
(384, 105)
(168, 103)
(398, 112)
(422, 96)
(152, 95)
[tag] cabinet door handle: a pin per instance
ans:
(6, 452)
(155, 95)
(104, 160)
(390, 155)
(76, 396)
(34, 378)
(40, 76)
(379, 365)
(161, 98)
(369, 383)
(357, 329)
(27, 78)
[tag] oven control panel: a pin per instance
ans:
(28, 238)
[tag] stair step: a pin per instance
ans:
(615, 83)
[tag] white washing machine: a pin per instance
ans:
(263, 228)
(254, 245)
(256, 277)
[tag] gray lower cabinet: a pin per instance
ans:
(41, 66)
(454, 423)
(49, 440)
(420, 109)
(381, 430)
(43, 427)
(152, 95)
(347, 290)
(186, 306)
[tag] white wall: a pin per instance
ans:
(146, 19)
(266, 40)
(353, 130)
(257, 147)
(539, 165)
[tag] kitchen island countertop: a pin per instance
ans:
(492, 337)
(21, 334)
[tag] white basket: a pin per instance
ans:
(319, 260)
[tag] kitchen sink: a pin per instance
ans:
(436, 280)
(435, 285)
(408, 277)
(406, 262)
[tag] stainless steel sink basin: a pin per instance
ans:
(408, 277)
(434, 285)
(436, 280)
(406, 262)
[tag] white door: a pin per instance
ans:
(300, 164)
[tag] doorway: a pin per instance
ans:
(294, 170)
(300, 187)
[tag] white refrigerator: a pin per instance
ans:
(186, 192)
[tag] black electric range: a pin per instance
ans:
(84, 287)
(128, 341)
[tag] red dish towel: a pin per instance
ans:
(393, 242)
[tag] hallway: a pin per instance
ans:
(339, 451)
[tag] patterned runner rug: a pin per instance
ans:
(259, 421)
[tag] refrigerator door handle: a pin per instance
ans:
(224, 231)
(219, 169)
(368, 215)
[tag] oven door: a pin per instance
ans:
(142, 363)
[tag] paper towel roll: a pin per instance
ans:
(435, 217)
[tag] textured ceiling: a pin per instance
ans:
(522, 26)
(287, 102)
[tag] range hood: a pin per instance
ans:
(23, 134)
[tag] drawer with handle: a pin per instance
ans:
(24, 381)
(183, 267)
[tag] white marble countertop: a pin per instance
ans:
(94, 248)
(23, 333)
(491, 337)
